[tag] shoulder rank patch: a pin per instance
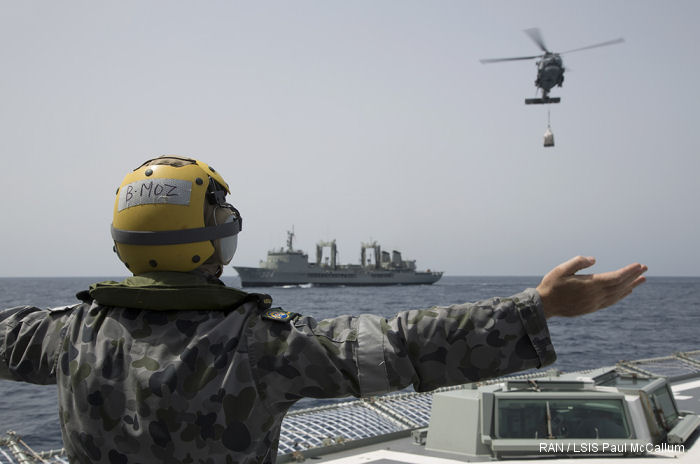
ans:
(278, 314)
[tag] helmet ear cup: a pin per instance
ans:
(225, 247)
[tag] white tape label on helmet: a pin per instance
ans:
(155, 191)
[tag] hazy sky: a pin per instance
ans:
(358, 120)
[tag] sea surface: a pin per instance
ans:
(660, 317)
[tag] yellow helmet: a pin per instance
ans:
(170, 214)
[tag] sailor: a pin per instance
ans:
(171, 365)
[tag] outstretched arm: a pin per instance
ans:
(428, 348)
(369, 355)
(567, 294)
(30, 339)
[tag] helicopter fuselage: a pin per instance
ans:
(550, 72)
(550, 67)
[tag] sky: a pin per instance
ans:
(358, 121)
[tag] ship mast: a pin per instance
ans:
(334, 252)
(290, 239)
(377, 254)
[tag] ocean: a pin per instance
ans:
(660, 317)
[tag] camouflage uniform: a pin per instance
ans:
(212, 384)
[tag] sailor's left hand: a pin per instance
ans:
(567, 294)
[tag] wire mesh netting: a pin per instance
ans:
(671, 367)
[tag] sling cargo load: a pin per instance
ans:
(292, 267)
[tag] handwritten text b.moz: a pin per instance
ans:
(155, 191)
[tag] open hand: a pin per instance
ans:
(566, 294)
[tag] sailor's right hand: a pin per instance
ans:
(567, 294)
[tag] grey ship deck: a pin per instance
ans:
(391, 428)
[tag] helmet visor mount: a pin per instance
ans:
(216, 196)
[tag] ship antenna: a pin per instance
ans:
(290, 239)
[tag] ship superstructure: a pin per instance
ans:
(292, 267)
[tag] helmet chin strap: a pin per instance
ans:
(210, 270)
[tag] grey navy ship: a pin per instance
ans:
(292, 267)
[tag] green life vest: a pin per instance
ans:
(171, 291)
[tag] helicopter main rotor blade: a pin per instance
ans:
(602, 44)
(536, 36)
(519, 58)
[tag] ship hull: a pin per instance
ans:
(262, 277)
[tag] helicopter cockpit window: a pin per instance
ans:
(561, 418)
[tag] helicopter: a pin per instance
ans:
(550, 67)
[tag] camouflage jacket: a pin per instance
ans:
(209, 386)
